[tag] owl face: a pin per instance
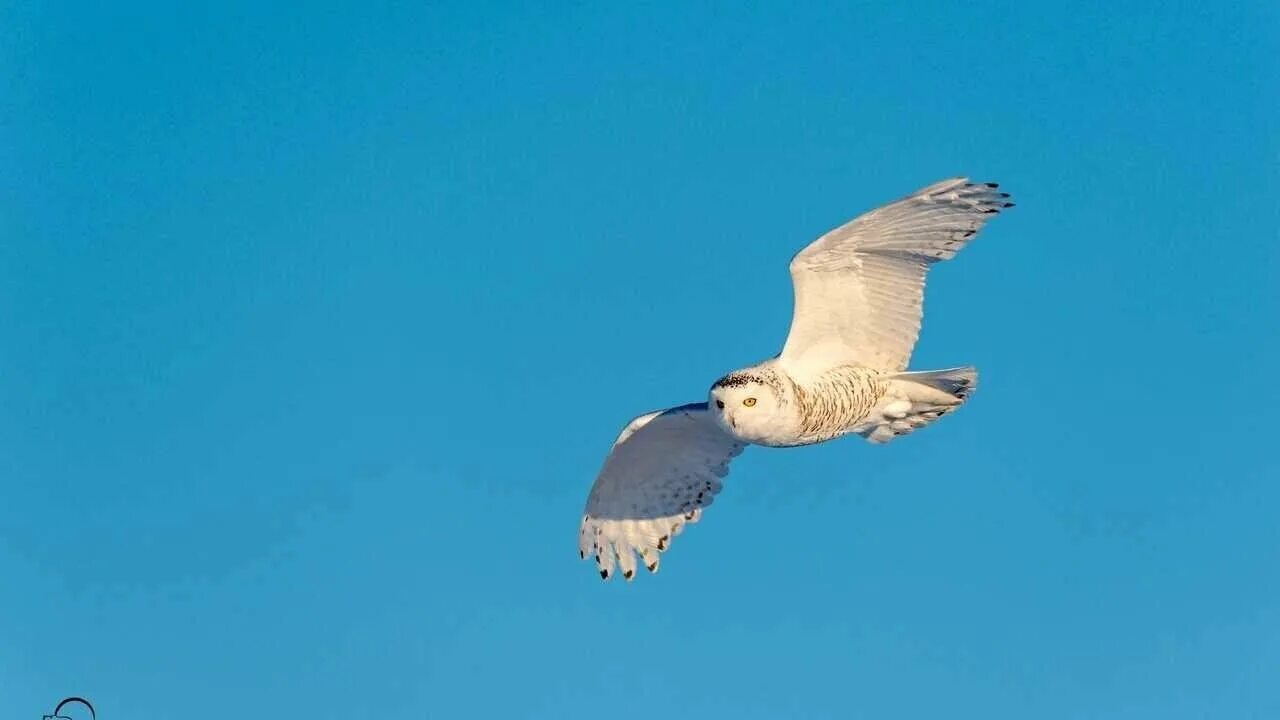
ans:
(746, 409)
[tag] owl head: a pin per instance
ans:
(746, 405)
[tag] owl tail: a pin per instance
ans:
(915, 399)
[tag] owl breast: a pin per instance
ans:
(833, 403)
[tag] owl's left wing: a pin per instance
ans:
(859, 289)
(663, 469)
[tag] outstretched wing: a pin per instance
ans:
(859, 289)
(663, 469)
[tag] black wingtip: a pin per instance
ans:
(604, 574)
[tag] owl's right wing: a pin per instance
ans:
(859, 289)
(663, 469)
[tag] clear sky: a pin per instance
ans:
(315, 327)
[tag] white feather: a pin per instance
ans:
(859, 289)
(663, 469)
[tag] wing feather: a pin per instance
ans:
(859, 289)
(663, 469)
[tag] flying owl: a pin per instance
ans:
(859, 292)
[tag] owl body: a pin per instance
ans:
(766, 405)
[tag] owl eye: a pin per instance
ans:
(749, 402)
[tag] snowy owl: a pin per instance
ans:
(859, 291)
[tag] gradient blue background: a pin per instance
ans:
(315, 327)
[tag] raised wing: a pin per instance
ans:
(663, 469)
(859, 289)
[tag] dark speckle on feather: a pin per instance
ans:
(736, 379)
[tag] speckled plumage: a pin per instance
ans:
(826, 406)
(836, 402)
(858, 302)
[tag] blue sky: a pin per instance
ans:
(317, 325)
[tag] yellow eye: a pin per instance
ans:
(749, 402)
